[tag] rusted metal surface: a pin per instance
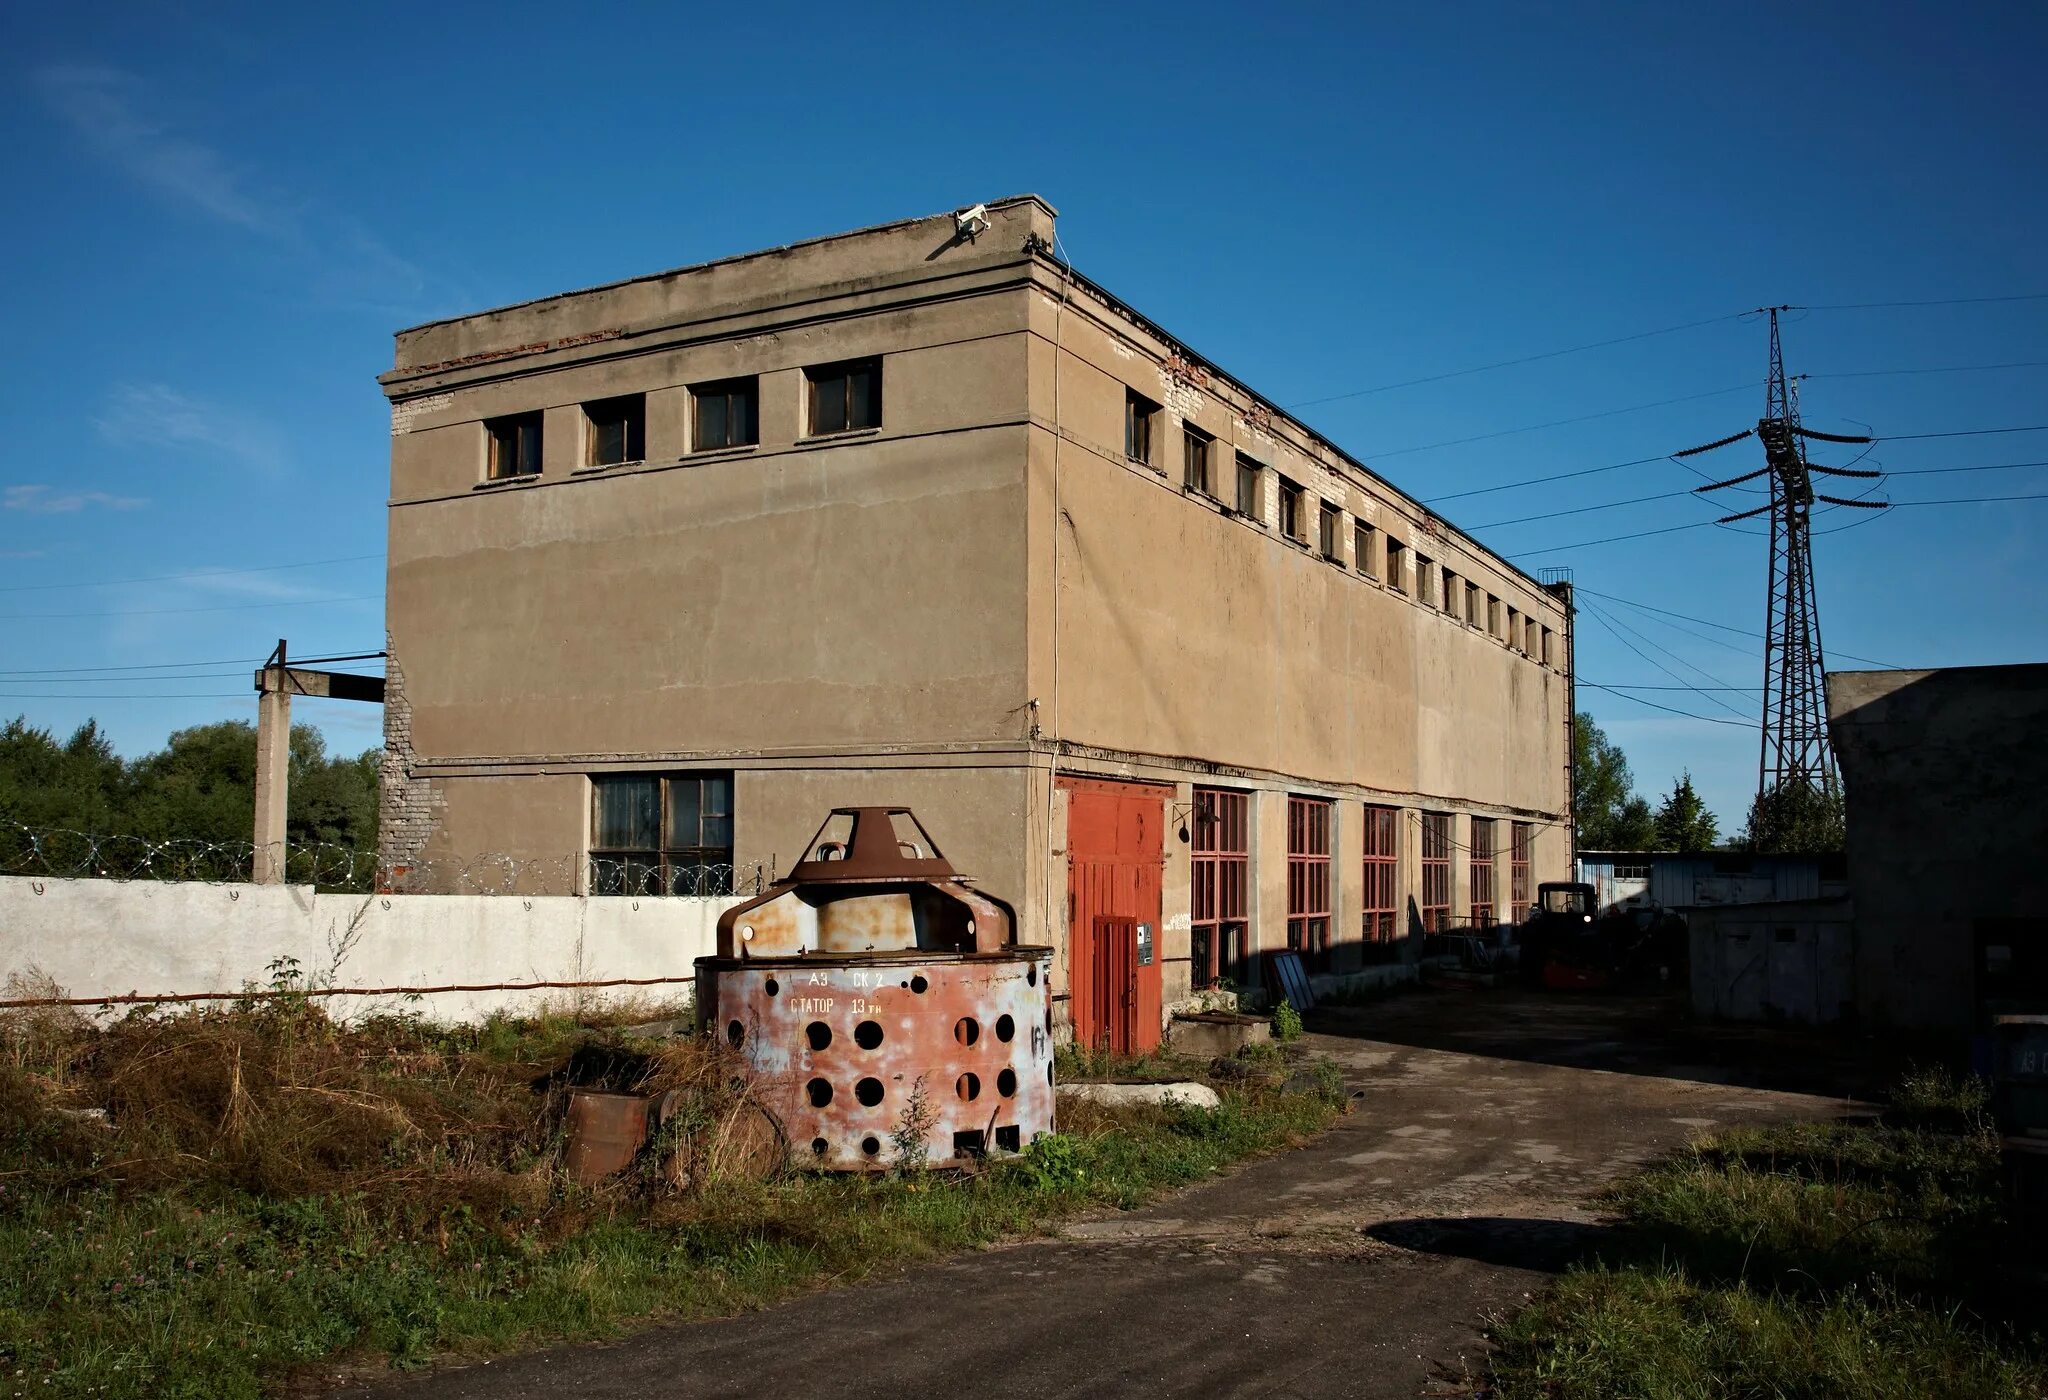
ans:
(607, 1129)
(881, 1005)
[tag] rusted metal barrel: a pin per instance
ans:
(607, 1129)
(881, 1005)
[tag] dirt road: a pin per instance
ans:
(1362, 1266)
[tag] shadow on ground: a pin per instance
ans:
(1546, 1246)
(1628, 1034)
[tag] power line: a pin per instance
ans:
(1561, 422)
(1962, 432)
(1709, 622)
(168, 665)
(1670, 709)
(218, 607)
(1542, 480)
(1694, 525)
(1522, 360)
(1945, 301)
(130, 695)
(1930, 369)
(1605, 621)
(192, 573)
(1615, 685)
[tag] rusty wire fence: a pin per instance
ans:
(56, 853)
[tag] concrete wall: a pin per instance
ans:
(1791, 962)
(110, 937)
(1943, 772)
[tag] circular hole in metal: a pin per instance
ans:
(870, 1145)
(919, 985)
(968, 1086)
(819, 1034)
(967, 1030)
(1005, 1028)
(773, 986)
(868, 1091)
(819, 1146)
(1031, 975)
(820, 1091)
(1006, 1083)
(735, 1033)
(1048, 1074)
(868, 1034)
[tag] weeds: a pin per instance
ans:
(1286, 1021)
(1806, 1259)
(268, 1190)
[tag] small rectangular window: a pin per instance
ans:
(1397, 565)
(1328, 524)
(845, 397)
(1472, 613)
(515, 445)
(1362, 549)
(1248, 488)
(1141, 416)
(1425, 580)
(1453, 595)
(1291, 524)
(661, 834)
(1492, 616)
(727, 414)
(1514, 629)
(1194, 447)
(1549, 646)
(617, 431)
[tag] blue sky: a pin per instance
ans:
(220, 215)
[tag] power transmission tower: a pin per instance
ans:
(1795, 750)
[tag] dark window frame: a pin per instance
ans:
(1219, 921)
(523, 433)
(1426, 577)
(1518, 870)
(824, 417)
(1396, 565)
(1195, 460)
(743, 389)
(671, 866)
(1141, 426)
(1293, 496)
(1362, 549)
(1329, 526)
(624, 415)
(1251, 488)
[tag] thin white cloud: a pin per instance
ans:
(40, 499)
(105, 106)
(158, 416)
(114, 113)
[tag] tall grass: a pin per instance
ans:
(1809, 1259)
(198, 1205)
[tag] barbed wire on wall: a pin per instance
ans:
(56, 853)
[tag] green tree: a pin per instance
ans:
(1683, 822)
(78, 785)
(1609, 816)
(1796, 818)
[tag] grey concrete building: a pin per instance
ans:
(1943, 770)
(917, 516)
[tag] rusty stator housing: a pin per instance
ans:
(882, 1004)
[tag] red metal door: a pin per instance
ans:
(1115, 857)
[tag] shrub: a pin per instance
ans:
(1286, 1021)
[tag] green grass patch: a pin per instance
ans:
(273, 1192)
(1833, 1260)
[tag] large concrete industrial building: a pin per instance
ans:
(917, 516)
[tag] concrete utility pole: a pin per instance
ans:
(276, 683)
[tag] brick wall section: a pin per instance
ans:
(408, 807)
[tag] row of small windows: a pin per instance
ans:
(1460, 599)
(723, 413)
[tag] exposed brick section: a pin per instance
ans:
(409, 807)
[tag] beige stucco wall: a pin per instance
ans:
(935, 613)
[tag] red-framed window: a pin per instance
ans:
(1518, 871)
(1482, 871)
(1221, 859)
(1308, 879)
(1436, 871)
(1382, 854)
